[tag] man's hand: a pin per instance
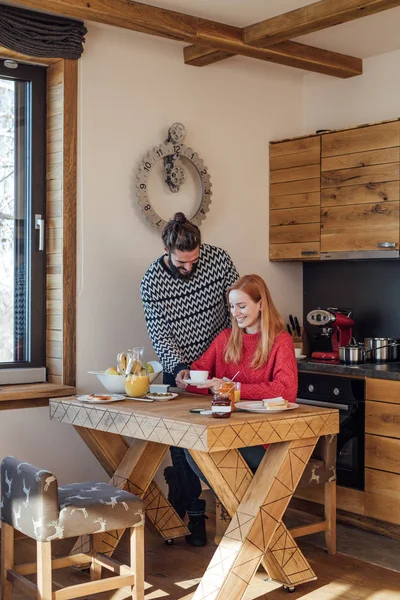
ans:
(181, 379)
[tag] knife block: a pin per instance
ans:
(301, 342)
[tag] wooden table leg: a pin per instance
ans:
(257, 518)
(283, 560)
(132, 468)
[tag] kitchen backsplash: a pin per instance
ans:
(370, 288)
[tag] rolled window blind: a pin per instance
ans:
(39, 34)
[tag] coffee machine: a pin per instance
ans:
(336, 325)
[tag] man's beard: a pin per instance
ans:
(176, 272)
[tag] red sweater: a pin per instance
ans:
(278, 377)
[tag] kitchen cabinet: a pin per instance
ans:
(335, 192)
(295, 199)
(377, 507)
(360, 175)
(382, 450)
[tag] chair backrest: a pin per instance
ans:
(29, 498)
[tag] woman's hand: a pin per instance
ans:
(213, 383)
(180, 379)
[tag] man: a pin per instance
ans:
(184, 299)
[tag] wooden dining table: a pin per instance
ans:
(255, 502)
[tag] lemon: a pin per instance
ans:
(149, 368)
(111, 371)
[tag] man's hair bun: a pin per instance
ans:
(179, 217)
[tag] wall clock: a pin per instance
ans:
(171, 152)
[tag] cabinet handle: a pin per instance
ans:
(386, 244)
(309, 252)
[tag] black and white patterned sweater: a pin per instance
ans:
(182, 316)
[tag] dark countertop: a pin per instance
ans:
(390, 371)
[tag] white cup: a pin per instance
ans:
(297, 352)
(198, 376)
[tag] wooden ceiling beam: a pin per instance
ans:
(310, 18)
(290, 54)
(287, 26)
(222, 39)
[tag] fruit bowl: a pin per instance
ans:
(112, 383)
(115, 383)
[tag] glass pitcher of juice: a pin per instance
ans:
(137, 382)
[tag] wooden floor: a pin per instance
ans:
(172, 573)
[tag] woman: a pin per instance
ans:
(258, 347)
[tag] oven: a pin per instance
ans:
(347, 395)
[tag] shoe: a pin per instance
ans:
(174, 491)
(197, 523)
(197, 528)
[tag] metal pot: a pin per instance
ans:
(356, 353)
(353, 353)
(381, 349)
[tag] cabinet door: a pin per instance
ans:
(295, 199)
(360, 190)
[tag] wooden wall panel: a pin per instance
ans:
(305, 144)
(382, 419)
(61, 221)
(360, 194)
(382, 453)
(360, 159)
(361, 139)
(295, 201)
(382, 496)
(382, 390)
(69, 220)
(54, 168)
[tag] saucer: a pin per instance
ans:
(197, 383)
(301, 356)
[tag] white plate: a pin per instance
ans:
(171, 396)
(114, 398)
(197, 383)
(301, 356)
(257, 407)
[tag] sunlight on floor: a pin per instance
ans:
(185, 585)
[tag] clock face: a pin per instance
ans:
(160, 152)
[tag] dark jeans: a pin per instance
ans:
(189, 482)
(252, 455)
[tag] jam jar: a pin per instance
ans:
(221, 405)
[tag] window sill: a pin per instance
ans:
(31, 395)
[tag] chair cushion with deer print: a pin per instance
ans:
(33, 503)
(93, 507)
(321, 467)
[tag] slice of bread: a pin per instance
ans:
(273, 403)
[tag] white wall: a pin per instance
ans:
(132, 88)
(331, 103)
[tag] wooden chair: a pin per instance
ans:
(321, 470)
(35, 505)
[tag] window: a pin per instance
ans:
(22, 215)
